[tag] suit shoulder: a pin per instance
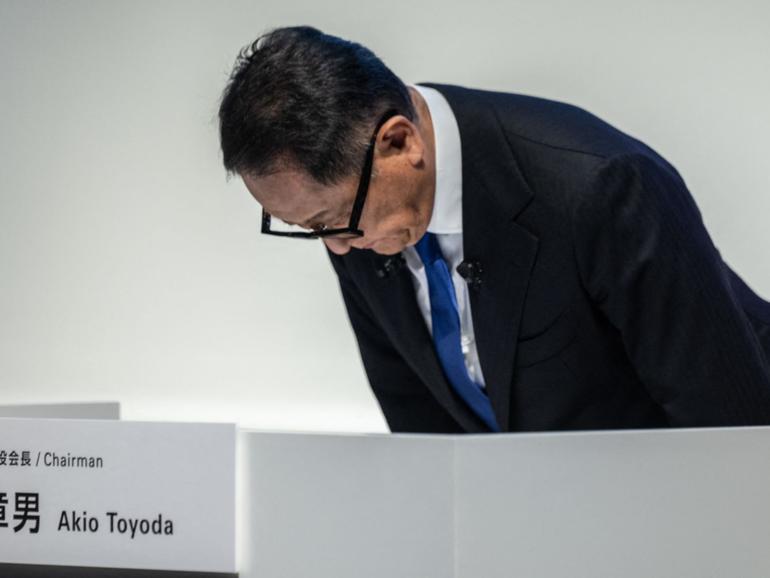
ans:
(562, 126)
(547, 123)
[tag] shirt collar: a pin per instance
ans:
(447, 216)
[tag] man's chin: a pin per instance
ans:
(387, 248)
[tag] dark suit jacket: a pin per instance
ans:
(603, 302)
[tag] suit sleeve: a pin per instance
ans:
(649, 264)
(406, 402)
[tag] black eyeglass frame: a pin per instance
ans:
(352, 230)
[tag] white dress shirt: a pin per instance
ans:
(447, 224)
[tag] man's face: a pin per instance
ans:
(397, 208)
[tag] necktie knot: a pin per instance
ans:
(428, 249)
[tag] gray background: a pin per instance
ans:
(131, 270)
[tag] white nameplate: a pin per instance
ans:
(101, 493)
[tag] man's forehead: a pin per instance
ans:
(289, 194)
(280, 183)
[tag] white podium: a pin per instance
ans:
(632, 504)
(625, 504)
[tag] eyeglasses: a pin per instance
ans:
(351, 231)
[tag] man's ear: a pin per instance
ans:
(395, 134)
(400, 136)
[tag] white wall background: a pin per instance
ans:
(131, 270)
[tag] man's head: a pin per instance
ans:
(296, 119)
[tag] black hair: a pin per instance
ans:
(304, 99)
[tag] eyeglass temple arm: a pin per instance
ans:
(358, 205)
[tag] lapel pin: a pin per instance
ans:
(390, 265)
(471, 271)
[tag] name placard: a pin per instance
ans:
(110, 494)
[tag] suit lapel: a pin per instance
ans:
(494, 193)
(507, 254)
(394, 300)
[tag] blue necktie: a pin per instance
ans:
(446, 330)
